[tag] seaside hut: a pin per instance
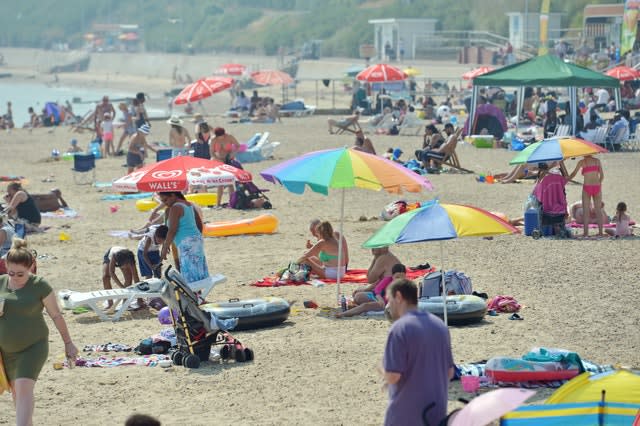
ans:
(548, 71)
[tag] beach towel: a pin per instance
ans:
(120, 233)
(118, 361)
(11, 178)
(611, 225)
(134, 196)
(353, 276)
(102, 184)
(66, 212)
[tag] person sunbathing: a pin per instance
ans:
(373, 296)
(313, 229)
(577, 213)
(521, 171)
(323, 256)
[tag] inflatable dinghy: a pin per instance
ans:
(503, 369)
(462, 309)
(251, 313)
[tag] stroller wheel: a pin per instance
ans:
(225, 352)
(240, 356)
(191, 361)
(248, 354)
(177, 357)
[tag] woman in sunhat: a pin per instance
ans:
(179, 137)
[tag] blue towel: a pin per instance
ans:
(134, 196)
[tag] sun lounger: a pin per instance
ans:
(261, 150)
(296, 109)
(147, 289)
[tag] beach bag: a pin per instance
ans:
(148, 346)
(456, 282)
(296, 272)
(393, 209)
(505, 304)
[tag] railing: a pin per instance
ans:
(443, 43)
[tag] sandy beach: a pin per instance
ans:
(580, 295)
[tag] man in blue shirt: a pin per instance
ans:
(417, 363)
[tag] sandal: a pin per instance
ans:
(516, 317)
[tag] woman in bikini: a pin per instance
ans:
(323, 256)
(591, 189)
(223, 148)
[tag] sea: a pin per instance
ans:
(23, 95)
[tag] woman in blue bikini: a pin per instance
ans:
(322, 257)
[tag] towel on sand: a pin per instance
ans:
(611, 225)
(352, 276)
(66, 212)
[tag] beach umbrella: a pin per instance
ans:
(623, 73)
(470, 75)
(435, 221)
(232, 69)
(555, 149)
(176, 174)
(411, 71)
(380, 73)
(271, 78)
(343, 168)
(202, 89)
(490, 406)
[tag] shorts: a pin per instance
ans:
(331, 272)
(107, 136)
(145, 270)
(133, 160)
(27, 363)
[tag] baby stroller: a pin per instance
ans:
(197, 330)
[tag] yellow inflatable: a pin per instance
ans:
(203, 199)
(263, 224)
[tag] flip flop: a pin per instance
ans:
(516, 317)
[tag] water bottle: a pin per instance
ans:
(343, 303)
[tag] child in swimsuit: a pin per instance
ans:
(591, 189)
(622, 221)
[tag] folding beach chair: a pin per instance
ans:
(84, 168)
(146, 289)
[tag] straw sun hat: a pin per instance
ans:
(175, 120)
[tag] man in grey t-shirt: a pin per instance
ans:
(417, 363)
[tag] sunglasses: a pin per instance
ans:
(16, 274)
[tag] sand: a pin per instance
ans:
(577, 294)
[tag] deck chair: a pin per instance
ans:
(562, 130)
(410, 122)
(84, 168)
(351, 126)
(450, 157)
(611, 140)
(258, 149)
(386, 123)
(632, 143)
(123, 297)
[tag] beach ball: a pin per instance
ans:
(164, 316)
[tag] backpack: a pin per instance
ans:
(455, 282)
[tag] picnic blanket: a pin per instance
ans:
(352, 276)
(65, 212)
(134, 196)
(117, 361)
(478, 369)
(11, 178)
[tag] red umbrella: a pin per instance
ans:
(380, 73)
(271, 78)
(203, 88)
(470, 75)
(176, 174)
(623, 73)
(232, 69)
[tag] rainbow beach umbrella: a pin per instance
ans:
(340, 169)
(555, 149)
(438, 222)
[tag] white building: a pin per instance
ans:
(400, 36)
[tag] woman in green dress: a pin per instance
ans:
(24, 341)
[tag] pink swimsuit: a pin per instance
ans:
(593, 189)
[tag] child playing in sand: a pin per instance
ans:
(124, 259)
(107, 135)
(622, 221)
(149, 250)
(73, 147)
